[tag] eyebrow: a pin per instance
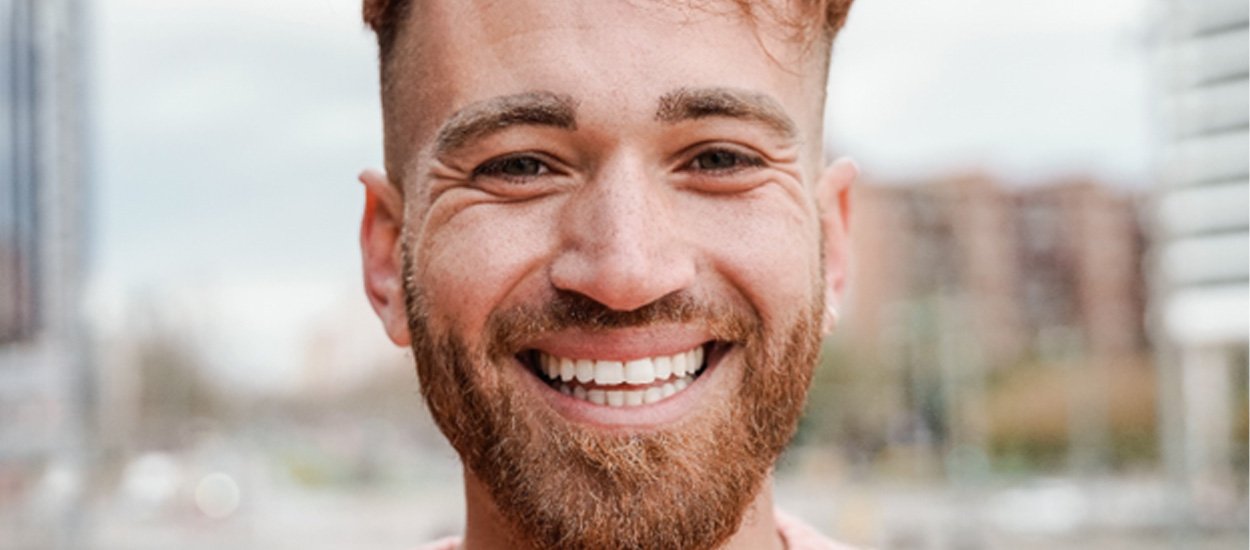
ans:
(685, 104)
(478, 120)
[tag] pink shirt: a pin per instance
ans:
(796, 534)
(800, 536)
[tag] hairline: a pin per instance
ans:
(390, 23)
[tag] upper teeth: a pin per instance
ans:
(639, 372)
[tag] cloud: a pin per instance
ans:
(229, 135)
(1029, 90)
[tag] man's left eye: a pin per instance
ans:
(722, 160)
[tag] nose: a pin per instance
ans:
(621, 239)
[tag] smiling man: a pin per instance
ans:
(608, 234)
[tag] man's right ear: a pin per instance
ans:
(373, 12)
(381, 227)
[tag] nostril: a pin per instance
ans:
(620, 283)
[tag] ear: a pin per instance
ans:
(380, 231)
(372, 12)
(833, 196)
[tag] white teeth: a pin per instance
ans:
(585, 370)
(663, 368)
(626, 398)
(640, 371)
(616, 398)
(679, 365)
(608, 373)
(572, 376)
(550, 365)
(652, 395)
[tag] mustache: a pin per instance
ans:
(510, 329)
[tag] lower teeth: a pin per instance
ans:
(626, 397)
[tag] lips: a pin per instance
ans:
(614, 383)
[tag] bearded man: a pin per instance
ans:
(607, 232)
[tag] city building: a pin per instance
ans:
(1023, 268)
(44, 379)
(957, 282)
(1201, 258)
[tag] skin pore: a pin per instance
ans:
(608, 183)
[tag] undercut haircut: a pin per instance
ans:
(814, 20)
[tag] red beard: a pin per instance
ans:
(563, 485)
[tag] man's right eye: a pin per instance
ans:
(514, 168)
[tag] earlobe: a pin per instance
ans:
(833, 197)
(380, 229)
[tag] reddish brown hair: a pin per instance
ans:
(386, 18)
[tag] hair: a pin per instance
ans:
(826, 17)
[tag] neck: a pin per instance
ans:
(486, 528)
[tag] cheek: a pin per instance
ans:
(765, 248)
(472, 262)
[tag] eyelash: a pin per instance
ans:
(741, 161)
(494, 168)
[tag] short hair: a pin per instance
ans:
(386, 18)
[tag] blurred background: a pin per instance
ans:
(1044, 344)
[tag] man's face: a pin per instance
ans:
(599, 196)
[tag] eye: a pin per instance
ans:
(723, 161)
(514, 167)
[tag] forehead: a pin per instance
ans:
(623, 54)
(478, 19)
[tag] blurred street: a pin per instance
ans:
(1099, 514)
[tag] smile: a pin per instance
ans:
(621, 383)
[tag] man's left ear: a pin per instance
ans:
(833, 196)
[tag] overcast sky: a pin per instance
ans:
(228, 134)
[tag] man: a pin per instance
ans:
(606, 232)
